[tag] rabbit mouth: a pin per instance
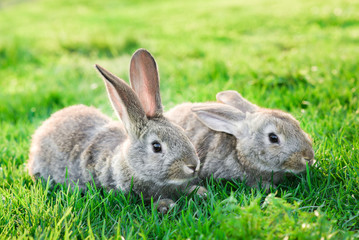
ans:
(302, 166)
(180, 173)
(179, 181)
(184, 177)
(297, 165)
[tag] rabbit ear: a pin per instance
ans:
(145, 82)
(220, 117)
(234, 99)
(125, 102)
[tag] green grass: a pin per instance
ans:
(298, 56)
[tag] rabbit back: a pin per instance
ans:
(76, 144)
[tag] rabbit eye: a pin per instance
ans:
(156, 147)
(273, 138)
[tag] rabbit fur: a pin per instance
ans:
(232, 140)
(144, 151)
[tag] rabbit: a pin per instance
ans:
(236, 139)
(144, 152)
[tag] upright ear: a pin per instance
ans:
(125, 102)
(145, 82)
(220, 118)
(234, 99)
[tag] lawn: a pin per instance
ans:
(298, 56)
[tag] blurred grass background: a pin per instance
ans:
(298, 56)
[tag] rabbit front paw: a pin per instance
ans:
(164, 205)
(200, 191)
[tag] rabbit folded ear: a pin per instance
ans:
(145, 82)
(234, 99)
(220, 117)
(125, 102)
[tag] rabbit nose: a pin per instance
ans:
(310, 161)
(191, 169)
(308, 155)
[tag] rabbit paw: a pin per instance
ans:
(200, 191)
(164, 205)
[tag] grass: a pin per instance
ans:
(298, 56)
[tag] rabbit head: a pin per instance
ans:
(271, 140)
(157, 150)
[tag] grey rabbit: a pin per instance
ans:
(236, 139)
(144, 151)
